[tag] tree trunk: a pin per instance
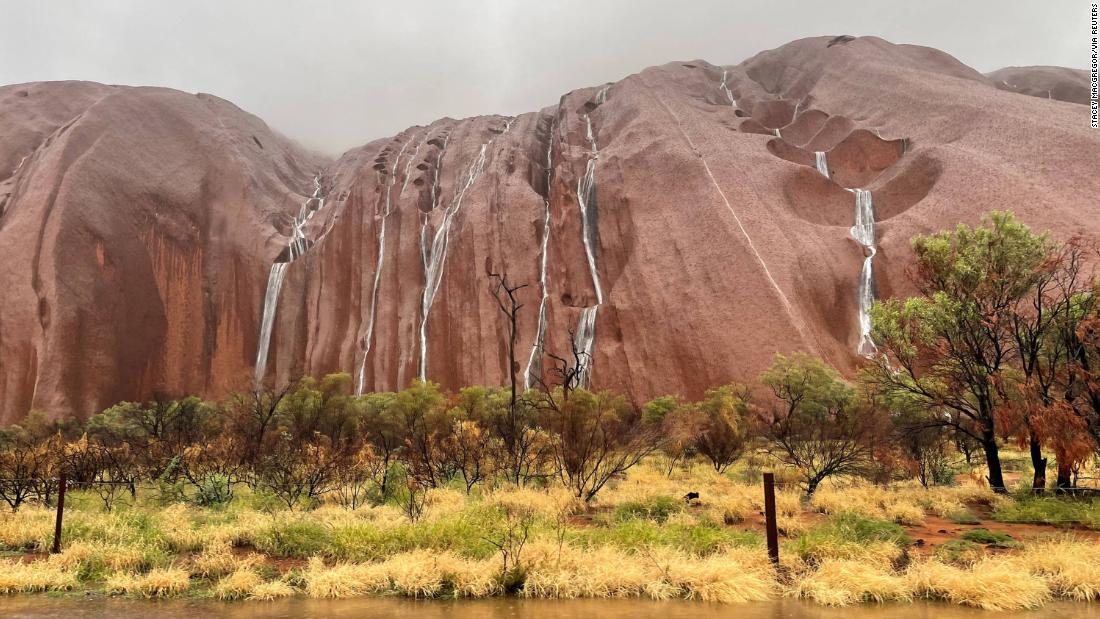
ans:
(1039, 465)
(993, 461)
(1065, 475)
(811, 486)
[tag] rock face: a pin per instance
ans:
(683, 225)
(1058, 83)
(136, 224)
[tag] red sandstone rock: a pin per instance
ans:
(137, 232)
(715, 246)
(1059, 83)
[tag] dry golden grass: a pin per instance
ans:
(600, 561)
(16, 577)
(903, 503)
(160, 582)
(566, 572)
(734, 577)
(420, 573)
(237, 585)
(1070, 566)
(30, 527)
(273, 590)
(870, 501)
(843, 582)
(551, 504)
(219, 560)
(729, 509)
(342, 580)
(115, 557)
(992, 584)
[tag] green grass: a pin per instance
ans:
(1056, 511)
(657, 509)
(846, 534)
(466, 534)
(299, 538)
(701, 539)
(964, 516)
(988, 538)
(959, 552)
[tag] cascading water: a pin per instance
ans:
(297, 246)
(534, 363)
(425, 218)
(864, 233)
(271, 301)
(726, 89)
(435, 254)
(584, 340)
(821, 163)
(368, 337)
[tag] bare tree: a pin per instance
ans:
(515, 429)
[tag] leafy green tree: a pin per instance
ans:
(420, 411)
(679, 425)
(816, 422)
(594, 437)
(157, 431)
(950, 350)
(377, 420)
(722, 433)
(320, 407)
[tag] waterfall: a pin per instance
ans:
(534, 363)
(296, 247)
(586, 200)
(434, 254)
(726, 89)
(776, 133)
(601, 96)
(584, 340)
(864, 233)
(821, 163)
(271, 301)
(585, 336)
(386, 209)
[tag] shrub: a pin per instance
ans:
(657, 508)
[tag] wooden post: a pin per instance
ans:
(770, 526)
(60, 514)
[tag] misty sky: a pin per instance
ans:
(335, 74)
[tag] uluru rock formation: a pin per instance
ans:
(682, 224)
(1059, 83)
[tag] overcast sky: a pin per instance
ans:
(333, 74)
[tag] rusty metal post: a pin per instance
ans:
(770, 525)
(60, 514)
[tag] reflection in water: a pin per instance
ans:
(500, 608)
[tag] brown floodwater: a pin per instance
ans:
(500, 608)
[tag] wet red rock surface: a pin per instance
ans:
(141, 225)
